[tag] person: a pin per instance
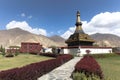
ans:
(59, 50)
(43, 50)
(78, 52)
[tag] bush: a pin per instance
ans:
(82, 76)
(17, 53)
(9, 55)
(104, 55)
(49, 54)
(2, 50)
(89, 66)
(64, 57)
(88, 51)
(34, 70)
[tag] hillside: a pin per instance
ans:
(107, 39)
(58, 39)
(16, 36)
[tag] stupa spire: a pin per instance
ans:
(78, 17)
(79, 38)
(78, 24)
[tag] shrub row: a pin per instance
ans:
(34, 70)
(64, 57)
(104, 55)
(88, 66)
(49, 54)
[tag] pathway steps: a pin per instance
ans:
(63, 72)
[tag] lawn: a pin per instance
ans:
(20, 60)
(110, 67)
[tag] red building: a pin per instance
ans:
(27, 47)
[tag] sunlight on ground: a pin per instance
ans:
(110, 67)
(20, 60)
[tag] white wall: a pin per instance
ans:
(47, 50)
(83, 50)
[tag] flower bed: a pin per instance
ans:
(49, 54)
(35, 70)
(88, 66)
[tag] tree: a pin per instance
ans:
(2, 50)
(53, 49)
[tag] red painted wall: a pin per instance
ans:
(30, 47)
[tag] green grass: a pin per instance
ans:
(110, 67)
(20, 60)
(82, 76)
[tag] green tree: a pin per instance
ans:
(53, 49)
(2, 50)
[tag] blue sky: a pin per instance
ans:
(57, 17)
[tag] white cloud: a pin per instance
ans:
(29, 17)
(101, 23)
(106, 19)
(60, 31)
(26, 16)
(68, 32)
(25, 26)
(23, 14)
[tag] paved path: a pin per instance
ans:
(63, 72)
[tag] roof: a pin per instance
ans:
(79, 37)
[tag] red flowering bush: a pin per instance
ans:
(88, 51)
(34, 70)
(89, 66)
(49, 54)
(64, 58)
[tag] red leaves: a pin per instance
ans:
(35, 70)
(48, 54)
(89, 66)
(33, 48)
(88, 51)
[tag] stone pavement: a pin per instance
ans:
(63, 72)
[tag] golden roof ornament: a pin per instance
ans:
(79, 38)
(78, 24)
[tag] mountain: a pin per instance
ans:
(106, 39)
(14, 37)
(58, 39)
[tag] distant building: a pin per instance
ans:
(13, 49)
(79, 38)
(28, 47)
